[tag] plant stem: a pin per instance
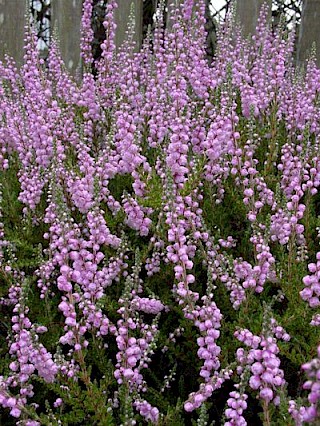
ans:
(266, 414)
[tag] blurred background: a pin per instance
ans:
(63, 18)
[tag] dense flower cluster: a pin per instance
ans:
(310, 413)
(150, 214)
(311, 292)
(237, 404)
(266, 375)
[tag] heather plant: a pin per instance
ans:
(159, 230)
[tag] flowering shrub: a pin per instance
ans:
(159, 231)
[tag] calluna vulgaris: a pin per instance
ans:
(159, 236)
